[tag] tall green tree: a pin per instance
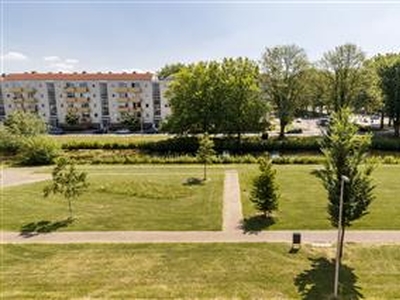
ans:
(284, 69)
(216, 97)
(343, 68)
(265, 192)
(67, 181)
(389, 74)
(346, 155)
(205, 152)
(243, 108)
(316, 90)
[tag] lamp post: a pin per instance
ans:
(338, 245)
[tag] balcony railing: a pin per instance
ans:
(16, 90)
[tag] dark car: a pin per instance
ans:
(56, 130)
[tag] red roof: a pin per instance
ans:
(77, 76)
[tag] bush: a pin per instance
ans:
(38, 150)
(9, 143)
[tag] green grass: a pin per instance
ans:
(125, 198)
(244, 271)
(303, 199)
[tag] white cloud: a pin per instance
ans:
(71, 61)
(52, 58)
(14, 56)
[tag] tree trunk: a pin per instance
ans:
(70, 208)
(282, 130)
(382, 119)
(205, 172)
(341, 244)
(396, 125)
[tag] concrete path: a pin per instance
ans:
(232, 207)
(317, 237)
(18, 176)
(231, 233)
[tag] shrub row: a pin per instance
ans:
(189, 145)
(98, 157)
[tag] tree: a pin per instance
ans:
(343, 68)
(131, 121)
(216, 97)
(205, 152)
(193, 98)
(170, 69)
(25, 124)
(67, 181)
(389, 75)
(284, 69)
(315, 92)
(71, 119)
(346, 155)
(243, 108)
(265, 194)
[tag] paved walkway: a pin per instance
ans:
(18, 176)
(231, 233)
(232, 207)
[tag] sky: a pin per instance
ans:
(125, 36)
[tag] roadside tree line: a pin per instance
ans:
(236, 95)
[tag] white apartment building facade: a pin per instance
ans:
(95, 100)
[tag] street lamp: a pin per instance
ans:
(337, 263)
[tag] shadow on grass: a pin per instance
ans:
(255, 224)
(317, 282)
(35, 228)
(193, 181)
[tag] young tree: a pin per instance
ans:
(346, 155)
(205, 152)
(284, 70)
(67, 181)
(71, 119)
(25, 124)
(131, 121)
(265, 194)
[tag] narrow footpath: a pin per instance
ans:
(231, 227)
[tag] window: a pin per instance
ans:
(43, 105)
(133, 84)
(147, 105)
(93, 85)
(122, 85)
(95, 115)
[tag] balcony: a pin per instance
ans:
(81, 90)
(16, 90)
(125, 109)
(134, 90)
(124, 99)
(18, 100)
(31, 100)
(121, 90)
(84, 109)
(82, 100)
(70, 89)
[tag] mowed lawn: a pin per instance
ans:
(124, 198)
(223, 271)
(303, 200)
(110, 138)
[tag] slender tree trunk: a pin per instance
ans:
(70, 208)
(282, 130)
(205, 172)
(396, 126)
(382, 119)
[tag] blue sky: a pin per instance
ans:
(136, 36)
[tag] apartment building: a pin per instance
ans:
(90, 100)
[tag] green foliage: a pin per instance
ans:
(344, 71)
(67, 181)
(216, 97)
(131, 122)
(25, 124)
(388, 68)
(169, 69)
(205, 152)
(9, 143)
(346, 155)
(38, 150)
(284, 80)
(71, 119)
(264, 194)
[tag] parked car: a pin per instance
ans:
(323, 122)
(56, 130)
(123, 131)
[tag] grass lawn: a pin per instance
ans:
(124, 198)
(303, 199)
(258, 271)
